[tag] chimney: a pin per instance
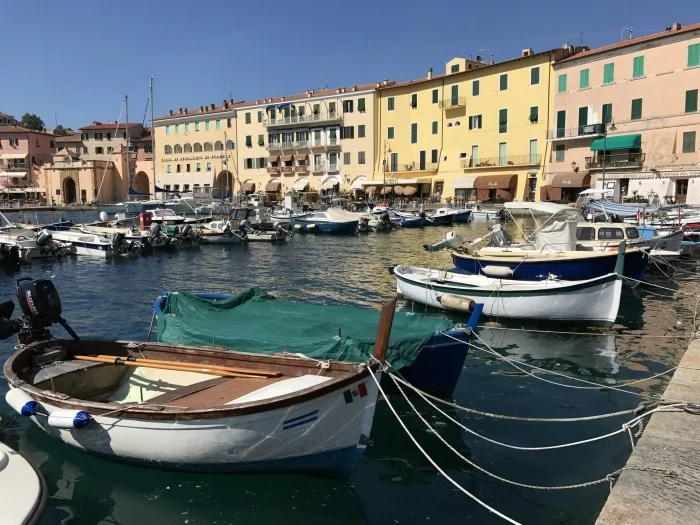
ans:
(282, 99)
(478, 58)
(185, 111)
(225, 104)
(676, 27)
(527, 52)
(201, 109)
(179, 111)
(491, 60)
(170, 112)
(430, 73)
(212, 106)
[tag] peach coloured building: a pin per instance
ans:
(22, 152)
(626, 118)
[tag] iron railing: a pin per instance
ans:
(304, 119)
(506, 160)
(589, 130)
(616, 161)
(412, 166)
(453, 102)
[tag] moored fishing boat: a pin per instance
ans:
(458, 215)
(333, 220)
(22, 489)
(95, 245)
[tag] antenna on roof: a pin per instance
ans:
(622, 32)
(581, 38)
(325, 84)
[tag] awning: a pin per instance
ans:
(463, 182)
(398, 190)
(387, 190)
(300, 185)
(329, 183)
(409, 190)
(617, 142)
(372, 183)
(13, 190)
(357, 183)
(424, 180)
(301, 156)
(273, 158)
(571, 180)
(550, 193)
(273, 186)
(286, 158)
(14, 155)
(12, 174)
(248, 187)
(496, 182)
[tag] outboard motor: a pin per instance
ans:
(43, 238)
(185, 230)
(278, 228)
(385, 218)
(154, 230)
(498, 237)
(245, 226)
(452, 239)
(118, 242)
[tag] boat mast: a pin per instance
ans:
(153, 137)
(128, 145)
(225, 182)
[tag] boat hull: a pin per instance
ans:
(462, 216)
(337, 228)
(440, 220)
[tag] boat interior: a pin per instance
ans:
(164, 375)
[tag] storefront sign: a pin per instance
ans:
(680, 174)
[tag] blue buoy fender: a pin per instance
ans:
(21, 402)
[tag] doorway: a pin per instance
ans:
(69, 191)
(681, 191)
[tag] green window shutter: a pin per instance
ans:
(561, 123)
(636, 109)
(691, 100)
(694, 55)
(503, 82)
(534, 114)
(584, 79)
(390, 103)
(414, 133)
(434, 156)
(534, 76)
(475, 88)
(454, 91)
(247, 118)
(435, 96)
(607, 113)
(609, 73)
(503, 121)
(361, 104)
(582, 118)
(454, 68)
(390, 133)
(689, 142)
(249, 141)
(259, 116)
(435, 127)
(261, 140)
(414, 100)
(638, 67)
(561, 87)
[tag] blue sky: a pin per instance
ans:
(77, 59)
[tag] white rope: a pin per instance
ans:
(434, 464)
(659, 286)
(600, 334)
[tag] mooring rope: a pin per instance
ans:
(599, 334)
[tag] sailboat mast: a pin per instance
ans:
(128, 143)
(225, 182)
(153, 137)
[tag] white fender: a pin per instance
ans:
(68, 418)
(21, 402)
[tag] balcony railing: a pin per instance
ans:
(301, 144)
(14, 167)
(506, 160)
(333, 168)
(304, 119)
(590, 130)
(302, 169)
(453, 102)
(287, 169)
(317, 168)
(616, 161)
(413, 166)
(273, 170)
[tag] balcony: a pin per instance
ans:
(279, 146)
(304, 120)
(301, 169)
(318, 168)
(616, 161)
(453, 102)
(14, 168)
(413, 166)
(273, 170)
(303, 144)
(577, 132)
(485, 163)
(333, 168)
(287, 169)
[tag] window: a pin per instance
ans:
(188, 148)
(502, 154)
(260, 115)
(360, 157)
(414, 100)
(186, 187)
(534, 114)
(176, 187)
(561, 83)
(248, 164)
(249, 141)
(348, 106)
(317, 109)
(414, 133)
(208, 166)
(607, 113)
(261, 140)
(435, 127)
(187, 168)
(346, 158)
(691, 100)
(638, 67)
(585, 233)
(347, 132)
(503, 121)
(196, 126)
(394, 161)
(390, 133)
(178, 149)
(167, 130)
(454, 68)
(559, 150)
(273, 114)
(99, 151)
(636, 109)
(694, 55)
(584, 79)
(689, 142)
(178, 168)
(360, 105)
(624, 186)
(177, 130)
(247, 118)
(582, 119)
(390, 104)
(534, 76)
(475, 122)
(187, 130)
(228, 122)
(230, 145)
(199, 166)
(474, 161)
(534, 156)
(475, 88)
(208, 146)
(609, 234)
(609, 73)
(109, 137)
(218, 124)
(206, 125)
(503, 82)
(170, 169)
(361, 131)
(435, 96)
(434, 156)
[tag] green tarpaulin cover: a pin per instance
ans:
(255, 321)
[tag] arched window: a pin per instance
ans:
(219, 146)
(197, 147)
(207, 146)
(188, 148)
(178, 148)
(168, 149)
(230, 145)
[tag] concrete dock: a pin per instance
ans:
(661, 481)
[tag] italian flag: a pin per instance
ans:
(359, 391)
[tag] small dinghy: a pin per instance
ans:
(22, 489)
(195, 409)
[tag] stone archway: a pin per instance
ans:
(70, 192)
(140, 183)
(223, 183)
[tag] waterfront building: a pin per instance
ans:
(22, 152)
(195, 150)
(8, 120)
(69, 179)
(626, 118)
(73, 142)
(308, 142)
(478, 132)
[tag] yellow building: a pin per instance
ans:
(476, 133)
(318, 140)
(196, 151)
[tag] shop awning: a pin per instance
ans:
(273, 158)
(14, 155)
(329, 183)
(286, 158)
(273, 186)
(617, 142)
(571, 180)
(248, 187)
(371, 189)
(409, 190)
(12, 174)
(301, 156)
(463, 182)
(357, 183)
(502, 182)
(300, 185)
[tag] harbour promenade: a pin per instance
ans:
(661, 481)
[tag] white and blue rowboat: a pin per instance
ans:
(333, 220)
(458, 215)
(22, 489)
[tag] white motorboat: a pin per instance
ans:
(22, 489)
(333, 220)
(607, 235)
(181, 205)
(95, 245)
(40, 245)
(165, 216)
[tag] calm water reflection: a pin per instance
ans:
(394, 483)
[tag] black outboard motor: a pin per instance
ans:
(154, 230)
(385, 218)
(245, 226)
(185, 230)
(499, 238)
(118, 243)
(43, 238)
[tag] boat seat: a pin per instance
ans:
(281, 388)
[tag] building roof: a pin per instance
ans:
(73, 137)
(146, 138)
(20, 129)
(112, 125)
(6, 115)
(675, 29)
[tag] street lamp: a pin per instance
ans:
(605, 141)
(387, 149)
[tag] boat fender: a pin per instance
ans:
(63, 418)
(297, 226)
(456, 302)
(103, 216)
(21, 402)
(497, 271)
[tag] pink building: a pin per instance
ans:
(22, 153)
(626, 119)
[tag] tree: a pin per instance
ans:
(31, 121)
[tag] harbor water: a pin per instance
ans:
(394, 483)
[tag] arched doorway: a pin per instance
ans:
(69, 191)
(223, 184)
(140, 183)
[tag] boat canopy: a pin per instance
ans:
(549, 208)
(596, 191)
(257, 322)
(617, 142)
(556, 236)
(621, 210)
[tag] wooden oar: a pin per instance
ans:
(122, 362)
(232, 369)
